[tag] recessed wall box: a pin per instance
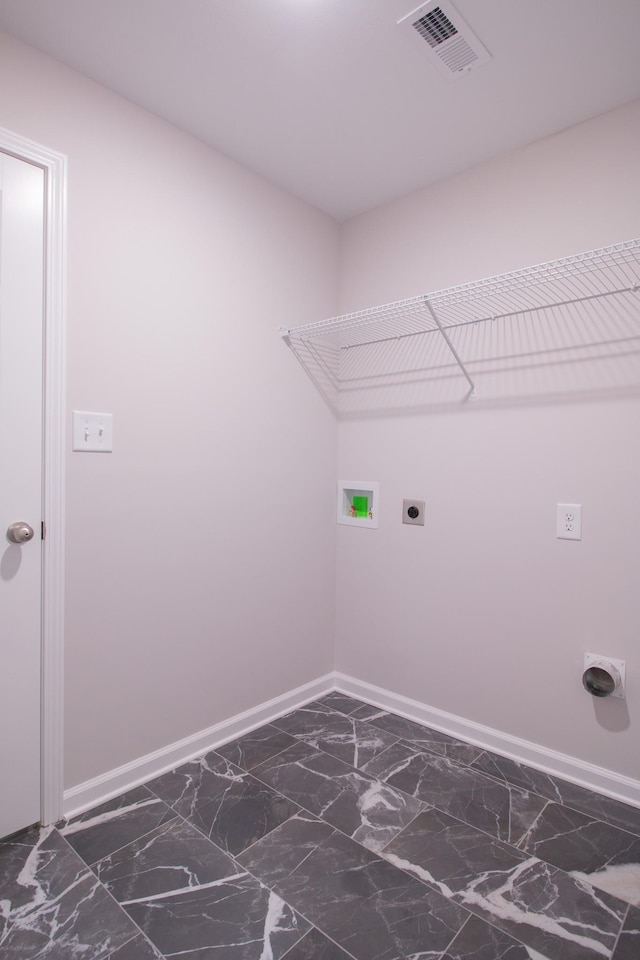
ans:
(358, 503)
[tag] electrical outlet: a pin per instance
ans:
(569, 521)
(413, 512)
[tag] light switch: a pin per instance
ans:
(92, 432)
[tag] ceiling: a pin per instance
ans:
(330, 98)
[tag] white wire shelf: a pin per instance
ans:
(577, 318)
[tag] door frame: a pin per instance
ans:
(54, 420)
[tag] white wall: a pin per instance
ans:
(183, 609)
(483, 613)
(200, 574)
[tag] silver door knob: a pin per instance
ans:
(20, 532)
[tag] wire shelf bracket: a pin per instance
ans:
(472, 386)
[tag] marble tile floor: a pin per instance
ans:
(338, 832)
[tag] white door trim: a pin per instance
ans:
(55, 166)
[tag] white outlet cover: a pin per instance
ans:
(569, 521)
(92, 432)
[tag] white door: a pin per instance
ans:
(21, 431)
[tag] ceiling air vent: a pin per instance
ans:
(445, 38)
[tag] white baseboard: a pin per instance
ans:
(114, 782)
(577, 771)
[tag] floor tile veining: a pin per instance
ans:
(338, 832)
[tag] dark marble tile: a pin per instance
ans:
(518, 774)
(541, 901)
(369, 712)
(341, 702)
(424, 737)
(281, 852)
(605, 856)
(480, 941)
(53, 906)
(343, 737)
(226, 803)
(190, 898)
(628, 946)
(499, 809)
(170, 858)
(137, 949)
(314, 718)
(100, 831)
(525, 807)
(242, 815)
(436, 847)
(365, 809)
(538, 905)
(315, 946)
(307, 717)
(615, 812)
(199, 780)
(365, 905)
(235, 918)
(612, 811)
(256, 747)
(27, 852)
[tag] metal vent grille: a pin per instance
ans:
(458, 55)
(435, 27)
(446, 38)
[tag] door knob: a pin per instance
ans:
(19, 532)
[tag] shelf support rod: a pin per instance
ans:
(451, 346)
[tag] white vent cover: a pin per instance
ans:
(445, 38)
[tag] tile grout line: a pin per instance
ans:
(617, 940)
(456, 935)
(528, 830)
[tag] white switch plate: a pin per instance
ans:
(569, 521)
(92, 432)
